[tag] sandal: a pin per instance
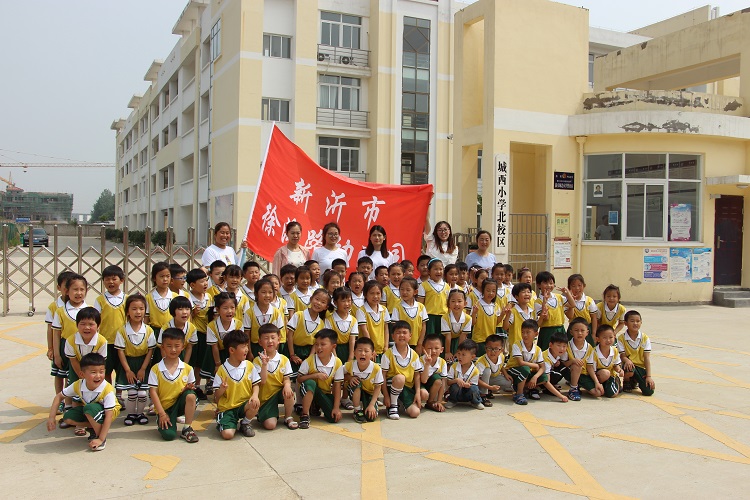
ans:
(486, 401)
(359, 416)
(189, 435)
(141, 419)
(290, 423)
(520, 399)
(347, 405)
(489, 395)
(80, 431)
(129, 419)
(64, 424)
(304, 422)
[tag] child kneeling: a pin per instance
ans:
(317, 379)
(236, 386)
(98, 407)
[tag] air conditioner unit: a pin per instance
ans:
(321, 56)
(346, 60)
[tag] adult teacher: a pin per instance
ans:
(292, 252)
(220, 250)
(441, 244)
(331, 250)
(377, 249)
(482, 256)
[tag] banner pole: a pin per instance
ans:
(260, 179)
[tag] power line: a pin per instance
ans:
(46, 156)
(57, 165)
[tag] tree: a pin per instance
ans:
(104, 207)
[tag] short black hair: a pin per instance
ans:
(287, 269)
(175, 269)
(544, 276)
(62, 278)
(258, 284)
(493, 338)
(380, 268)
(364, 341)
(364, 260)
(267, 328)
(172, 334)
(630, 313)
(519, 287)
(89, 313)
(217, 264)
(558, 338)
(338, 262)
(179, 302)
(423, 258)
(113, 270)
(603, 328)
(327, 333)
(92, 359)
(432, 336)
(250, 263)
(530, 324)
(401, 324)
(195, 274)
(462, 266)
(235, 338)
(468, 345)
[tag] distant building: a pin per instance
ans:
(16, 203)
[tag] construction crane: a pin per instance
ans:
(12, 188)
(25, 166)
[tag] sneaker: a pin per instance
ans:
(449, 404)
(151, 411)
(200, 394)
(393, 413)
(298, 409)
(64, 424)
(628, 385)
(574, 394)
(247, 430)
(478, 406)
(486, 401)
(189, 435)
(489, 395)
(61, 408)
(520, 399)
(209, 390)
(181, 419)
(100, 447)
(92, 433)
(359, 416)
(534, 394)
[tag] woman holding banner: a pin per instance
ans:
(377, 249)
(220, 249)
(331, 250)
(292, 252)
(441, 244)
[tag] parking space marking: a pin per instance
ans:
(161, 465)
(38, 415)
(693, 380)
(22, 359)
(21, 341)
(676, 447)
(681, 358)
(706, 346)
(204, 418)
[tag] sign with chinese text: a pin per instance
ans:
(562, 254)
(565, 181)
(656, 265)
(562, 225)
(680, 265)
(680, 222)
(702, 265)
(501, 219)
(293, 187)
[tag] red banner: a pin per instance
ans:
(293, 187)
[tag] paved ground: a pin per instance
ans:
(688, 440)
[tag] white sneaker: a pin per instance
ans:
(449, 404)
(181, 419)
(478, 406)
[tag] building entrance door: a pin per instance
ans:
(728, 240)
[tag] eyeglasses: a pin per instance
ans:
(332, 235)
(443, 230)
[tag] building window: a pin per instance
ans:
(277, 46)
(339, 154)
(275, 110)
(642, 197)
(415, 113)
(591, 70)
(339, 92)
(126, 196)
(216, 40)
(340, 30)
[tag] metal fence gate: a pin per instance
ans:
(529, 242)
(32, 273)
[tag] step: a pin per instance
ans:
(733, 302)
(727, 294)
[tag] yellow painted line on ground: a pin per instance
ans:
(734, 381)
(668, 406)
(676, 447)
(19, 326)
(706, 346)
(694, 380)
(707, 361)
(38, 413)
(161, 465)
(369, 438)
(717, 435)
(559, 454)
(373, 482)
(523, 477)
(22, 359)
(733, 414)
(25, 342)
(204, 418)
(528, 417)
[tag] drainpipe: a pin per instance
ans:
(581, 140)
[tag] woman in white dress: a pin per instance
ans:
(292, 252)
(441, 244)
(377, 249)
(331, 250)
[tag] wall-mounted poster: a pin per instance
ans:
(613, 217)
(701, 265)
(562, 225)
(680, 265)
(598, 190)
(680, 221)
(656, 265)
(562, 256)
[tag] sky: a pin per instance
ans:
(69, 69)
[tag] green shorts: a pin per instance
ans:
(433, 324)
(270, 409)
(78, 413)
(407, 395)
(255, 349)
(302, 352)
(481, 350)
(113, 360)
(228, 419)
(639, 375)
(612, 386)
(342, 352)
(320, 398)
(519, 374)
(61, 372)
(545, 334)
(585, 382)
(435, 377)
(174, 411)
(198, 352)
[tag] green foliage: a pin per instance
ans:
(160, 238)
(104, 207)
(113, 235)
(136, 238)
